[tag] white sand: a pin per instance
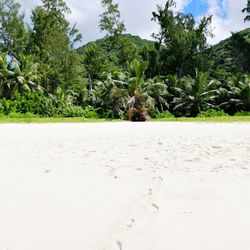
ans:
(129, 186)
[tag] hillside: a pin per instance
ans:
(128, 48)
(104, 43)
(233, 53)
(230, 55)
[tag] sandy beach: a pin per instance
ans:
(125, 186)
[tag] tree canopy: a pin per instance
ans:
(13, 33)
(120, 75)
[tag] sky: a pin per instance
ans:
(136, 14)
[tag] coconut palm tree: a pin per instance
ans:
(135, 109)
(21, 76)
(157, 89)
(193, 94)
(6, 74)
(173, 88)
(26, 77)
(238, 92)
(111, 93)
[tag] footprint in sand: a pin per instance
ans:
(130, 223)
(115, 246)
(119, 244)
(155, 207)
(157, 179)
(197, 159)
(150, 191)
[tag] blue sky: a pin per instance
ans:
(200, 7)
(197, 7)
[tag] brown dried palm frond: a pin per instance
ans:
(135, 111)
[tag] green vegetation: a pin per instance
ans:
(225, 119)
(212, 113)
(35, 119)
(231, 55)
(43, 77)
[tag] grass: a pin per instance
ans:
(6, 119)
(35, 119)
(227, 119)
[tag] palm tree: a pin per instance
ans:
(26, 77)
(238, 93)
(157, 89)
(111, 93)
(135, 109)
(21, 76)
(194, 94)
(5, 75)
(173, 88)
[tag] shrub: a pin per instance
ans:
(32, 102)
(71, 111)
(212, 113)
(36, 103)
(8, 106)
(164, 114)
(91, 112)
(19, 115)
(1, 108)
(242, 113)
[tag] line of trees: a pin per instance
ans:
(40, 67)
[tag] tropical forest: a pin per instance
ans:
(45, 73)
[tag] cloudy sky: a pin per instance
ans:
(136, 14)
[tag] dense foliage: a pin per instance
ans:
(119, 76)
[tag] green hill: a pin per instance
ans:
(233, 53)
(117, 53)
(104, 43)
(230, 55)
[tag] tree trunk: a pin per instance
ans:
(181, 69)
(157, 56)
(91, 89)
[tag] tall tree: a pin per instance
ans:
(180, 40)
(114, 27)
(110, 19)
(13, 34)
(247, 10)
(52, 41)
(95, 62)
(165, 18)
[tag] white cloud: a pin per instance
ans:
(227, 18)
(137, 16)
